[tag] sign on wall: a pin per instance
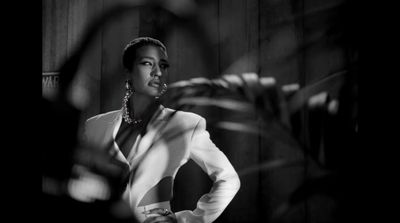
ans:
(49, 83)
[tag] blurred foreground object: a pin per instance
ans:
(75, 187)
(317, 122)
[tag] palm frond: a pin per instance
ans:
(222, 103)
(239, 126)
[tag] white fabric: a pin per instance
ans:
(140, 211)
(167, 145)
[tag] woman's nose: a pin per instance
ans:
(157, 71)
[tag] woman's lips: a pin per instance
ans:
(155, 83)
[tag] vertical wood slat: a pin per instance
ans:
(278, 44)
(238, 28)
(116, 34)
(55, 28)
(278, 41)
(77, 18)
(91, 64)
(77, 21)
(63, 25)
(187, 61)
(46, 28)
(239, 34)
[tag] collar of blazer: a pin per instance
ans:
(160, 115)
(152, 132)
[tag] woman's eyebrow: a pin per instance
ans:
(146, 57)
(164, 60)
(153, 59)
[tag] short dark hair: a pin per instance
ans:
(129, 53)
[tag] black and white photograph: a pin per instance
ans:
(199, 111)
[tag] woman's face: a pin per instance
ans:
(149, 70)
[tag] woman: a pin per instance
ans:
(155, 142)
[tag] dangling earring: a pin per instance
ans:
(163, 90)
(125, 109)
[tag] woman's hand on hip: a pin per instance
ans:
(159, 215)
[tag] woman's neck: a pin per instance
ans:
(142, 106)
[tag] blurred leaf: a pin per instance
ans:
(327, 184)
(270, 165)
(239, 126)
(332, 83)
(222, 103)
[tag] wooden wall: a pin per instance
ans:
(249, 36)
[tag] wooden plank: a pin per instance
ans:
(46, 34)
(93, 59)
(238, 36)
(55, 27)
(278, 40)
(187, 60)
(77, 21)
(116, 34)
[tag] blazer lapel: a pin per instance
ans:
(152, 133)
(114, 127)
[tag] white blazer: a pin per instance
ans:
(172, 138)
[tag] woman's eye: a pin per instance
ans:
(164, 66)
(147, 63)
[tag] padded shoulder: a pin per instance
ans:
(183, 116)
(106, 117)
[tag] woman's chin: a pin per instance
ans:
(154, 94)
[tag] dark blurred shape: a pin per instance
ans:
(60, 123)
(66, 209)
(61, 155)
(79, 183)
(320, 120)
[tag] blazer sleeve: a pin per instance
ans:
(226, 182)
